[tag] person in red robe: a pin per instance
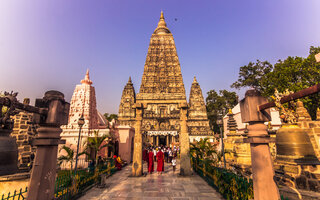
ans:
(160, 162)
(150, 161)
(145, 155)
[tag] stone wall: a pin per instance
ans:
(24, 132)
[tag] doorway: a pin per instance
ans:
(162, 140)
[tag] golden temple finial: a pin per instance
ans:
(161, 16)
(195, 79)
(129, 81)
(162, 26)
(230, 111)
(86, 79)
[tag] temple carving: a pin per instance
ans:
(161, 95)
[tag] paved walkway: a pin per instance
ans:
(168, 185)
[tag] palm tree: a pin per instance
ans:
(204, 151)
(66, 158)
(95, 144)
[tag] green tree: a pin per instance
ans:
(218, 104)
(293, 73)
(109, 117)
(206, 152)
(252, 75)
(68, 158)
(95, 144)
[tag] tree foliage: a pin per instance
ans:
(203, 150)
(293, 73)
(68, 158)
(218, 104)
(109, 117)
(252, 75)
(94, 145)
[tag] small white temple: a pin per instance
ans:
(83, 102)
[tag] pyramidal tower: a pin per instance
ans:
(161, 108)
(162, 78)
(126, 109)
(162, 96)
(198, 123)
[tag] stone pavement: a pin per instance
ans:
(168, 185)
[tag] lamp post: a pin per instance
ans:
(220, 124)
(80, 123)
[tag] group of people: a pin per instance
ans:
(160, 155)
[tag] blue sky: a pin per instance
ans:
(49, 44)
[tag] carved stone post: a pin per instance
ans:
(137, 164)
(185, 166)
(264, 186)
(41, 186)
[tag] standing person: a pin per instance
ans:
(117, 161)
(170, 155)
(166, 154)
(145, 155)
(174, 163)
(155, 154)
(160, 162)
(150, 161)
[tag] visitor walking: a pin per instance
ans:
(155, 154)
(170, 155)
(166, 156)
(150, 161)
(160, 162)
(174, 163)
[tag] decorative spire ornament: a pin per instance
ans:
(86, 79)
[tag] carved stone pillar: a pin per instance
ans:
(137, 164)
(157, 143)
(185, 166)
(47, 140)
(264, 186)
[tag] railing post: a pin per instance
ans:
(42, 182)
(264, 185)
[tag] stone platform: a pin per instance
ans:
(168, 185)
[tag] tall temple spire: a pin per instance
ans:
(162, 72)
(197, 105)
(86, 79)
(197, 113)
(126, 107)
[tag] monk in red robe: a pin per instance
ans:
(145, 155)
(150, 161)
(160, 162)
